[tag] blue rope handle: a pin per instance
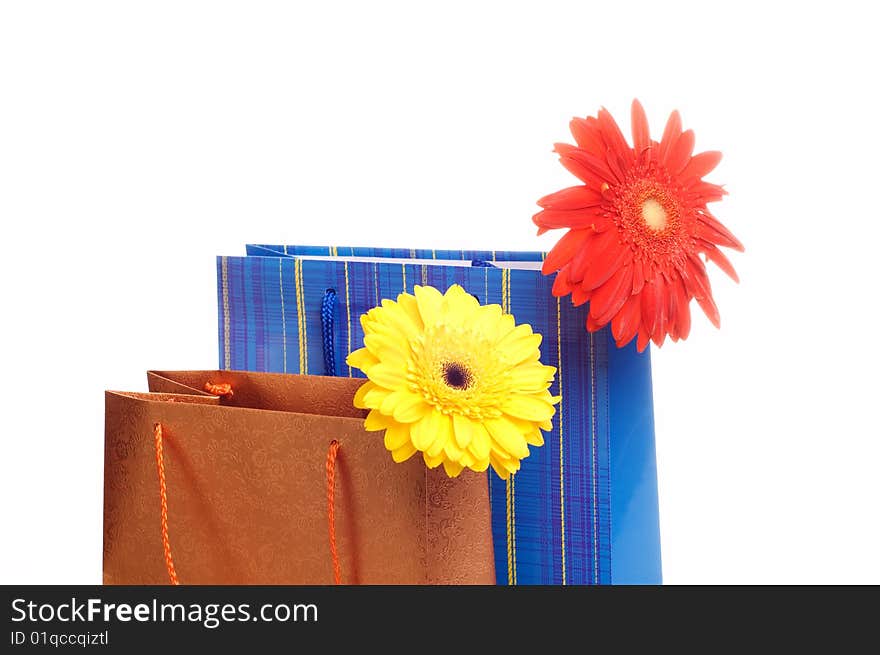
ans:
(328, 304)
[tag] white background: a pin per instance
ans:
(139, 140)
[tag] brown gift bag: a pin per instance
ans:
(254, 488)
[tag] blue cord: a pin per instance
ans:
(328, 304)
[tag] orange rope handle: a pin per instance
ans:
(163, 494)
(331, 507)
(222, 389)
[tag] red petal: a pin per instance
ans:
(592, 325)
(705, 191)
(638, 276)
(672, 310)
(647, 154)
(561, 287)
(575, 197)
(701, 164)
(641, 134)
(710, 229)
(654, 309)
(670, 135)
(721, 261)
(683, 310)
(625, 325)
(579, 296)
(564, 250)
(551, 219)
(607, 300)
(591, 167)
(649, 305)
(678, 156)
(581, 260)
(607, 254)
(643, 340)
(617, 164)
(697, 284)
(710, 309)
(613, 136)
(586, 133)
(603, 222)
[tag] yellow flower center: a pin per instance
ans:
(455, 370)
(654, 215)
(457, 376)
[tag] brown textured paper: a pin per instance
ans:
(247, 490)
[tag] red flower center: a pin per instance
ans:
(654, 215)
(650, 217)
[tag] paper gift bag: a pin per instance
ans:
(583, 508)
(275, 481)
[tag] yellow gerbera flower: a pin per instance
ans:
(459, 382)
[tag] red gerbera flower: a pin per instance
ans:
(636, 228)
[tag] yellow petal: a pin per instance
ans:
(521, 331)
(374, 397)
(506, 435)
(467, 459)
(534, 438)
(376, 322)
(459, 306)
(429, 301)
(432, 462)
(530, 377)
(400, 319)
(403, 453)
(452, 451)
(422, 433)
(485, 319)
(439, 428)
(410, 306)
(503, 466)
(362, 359)
(502, 472)
(367, 323)
(530, 408)
(510, 463)
(408, 407)
(547, 397)
(390, 402)
(503, 326)
(375, 421)
(361, 392)
(388, 376)
(443, 425)
(392, 350)
(480, 465)
(520, 349)
(480, 444)
(529, 430)
(396, 436)
(463, 430)
(452, 468)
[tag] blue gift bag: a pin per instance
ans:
(583, 508)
